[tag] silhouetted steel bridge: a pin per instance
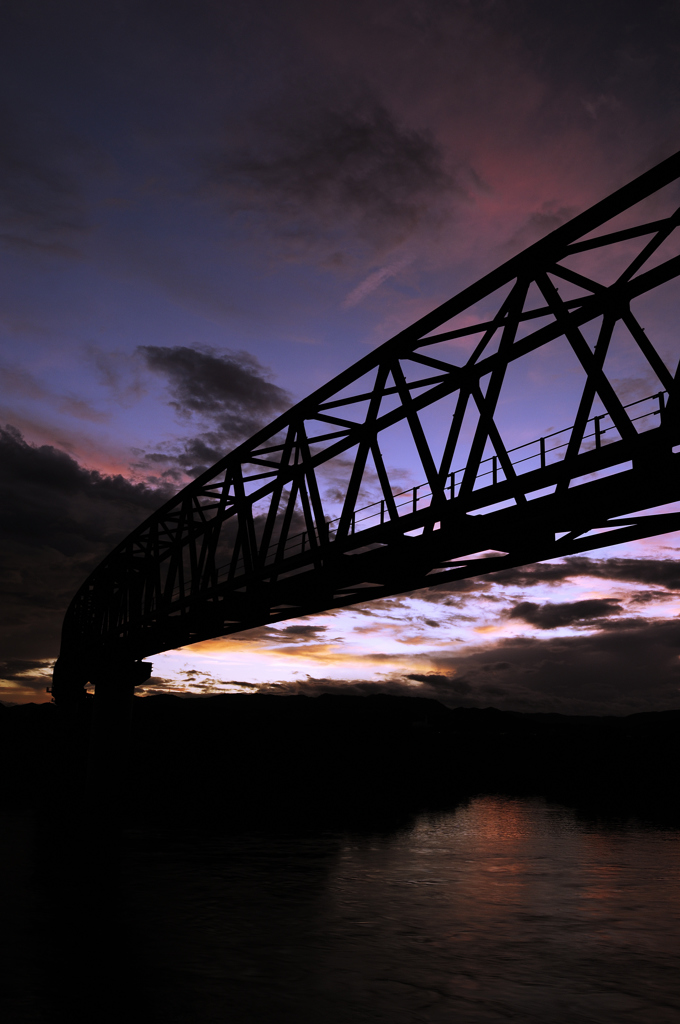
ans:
(254, 539)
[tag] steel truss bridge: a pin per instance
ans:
(257, 539)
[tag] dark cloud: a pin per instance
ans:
(634, 667)
(653, 572)
(296, 633)
(189, 684)
(626, 623)
(230, 387)
(303, 632)
(651, 597)
(455, 593)
(312, 687)
(553, 616)
(57, 521)
(187, 457)
(229, 391)
(448, 684)
(312, 172)
(650, 571)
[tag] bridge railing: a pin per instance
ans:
(535, 454)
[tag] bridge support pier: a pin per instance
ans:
(107, 767)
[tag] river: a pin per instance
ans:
(499, 910)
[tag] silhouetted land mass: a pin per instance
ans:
(300, 758)
(281, 765)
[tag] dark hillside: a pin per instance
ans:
(264, 755)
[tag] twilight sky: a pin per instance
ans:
(209, 208)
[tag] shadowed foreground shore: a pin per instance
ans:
(302, 758)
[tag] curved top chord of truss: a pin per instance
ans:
(256, 539)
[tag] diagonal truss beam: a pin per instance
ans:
(259, 537)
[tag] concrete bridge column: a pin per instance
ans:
(107, 766)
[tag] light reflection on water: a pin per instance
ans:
(504, 909)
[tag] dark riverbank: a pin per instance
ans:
(302, 758)
(289, 860)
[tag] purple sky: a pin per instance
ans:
(207, 209)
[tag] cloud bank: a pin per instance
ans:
(229, 393)
(57, 520)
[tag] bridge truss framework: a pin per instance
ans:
(254, 540)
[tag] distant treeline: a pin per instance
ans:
(264, 757)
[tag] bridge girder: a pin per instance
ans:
(255, 539)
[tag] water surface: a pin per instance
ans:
(502, 910)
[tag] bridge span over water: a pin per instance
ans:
(261, 536)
